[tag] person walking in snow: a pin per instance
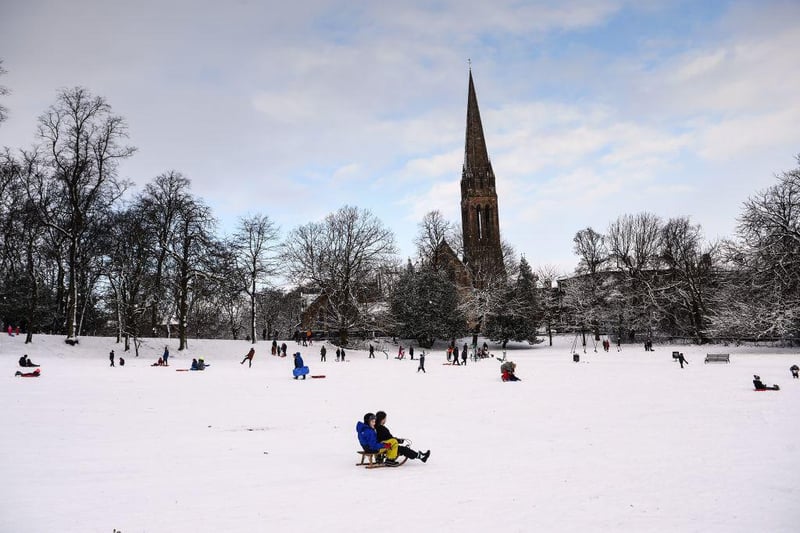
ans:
(400, 353)
(682, 359)
(111, 357)
(338, 353)
(385, 436)
(411, 352)
(249, 358)
(464, 354)
(371, 352)
(342, 355)
(274, 347)
(421, 363)
(322, 352)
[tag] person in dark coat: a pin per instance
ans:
(464, 355)
(368, 439)
(111, 357)
(322, 352)
(283, 349)
(421, 362)
(249, 358)
(384, 435)
(371, 352)
(338, 353)
(411, 352)
(795, 370)
(759, 385)
(682, 359)
(342, 354)
(165, 357)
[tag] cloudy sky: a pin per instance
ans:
(591, 109)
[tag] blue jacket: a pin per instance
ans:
(298, 361)
(368, 438)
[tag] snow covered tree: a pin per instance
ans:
(424, 306)
(762, 288)
(516, 315)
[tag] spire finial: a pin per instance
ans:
(469, 62)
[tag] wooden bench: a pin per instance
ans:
(718, 358)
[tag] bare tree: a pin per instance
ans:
(433, 231)
(690, 282)
(80, 141)
(3, 92)
(254, 242)
(590, 247)
(340, 255)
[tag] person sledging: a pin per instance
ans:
(368, 439)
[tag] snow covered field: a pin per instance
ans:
(618, 442)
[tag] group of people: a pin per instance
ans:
(278, 350)
(11, 330)
(164, 359)
(25, 362)
(111, 358)
(452, 353)
(375, 437)
(199, 364)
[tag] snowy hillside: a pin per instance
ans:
(622, 441)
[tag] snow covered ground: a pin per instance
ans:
(618, 442)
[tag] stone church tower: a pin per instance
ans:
(480, 224)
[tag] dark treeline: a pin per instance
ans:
(79, 256)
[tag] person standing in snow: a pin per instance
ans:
(165, 357)
(795, 371)
(298, 362)
(338, 353)
(249, 357)
(411, 352)
(371, 352)
(464, 355)
(343, 355)
(421, 363)
(111, 357)
(322, 352)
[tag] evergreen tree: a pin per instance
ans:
(424, 306)
(516, 315)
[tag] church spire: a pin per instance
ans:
(480, 224)
(476, 157)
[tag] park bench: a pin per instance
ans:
(718, 358)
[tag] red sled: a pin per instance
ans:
(318, 376)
